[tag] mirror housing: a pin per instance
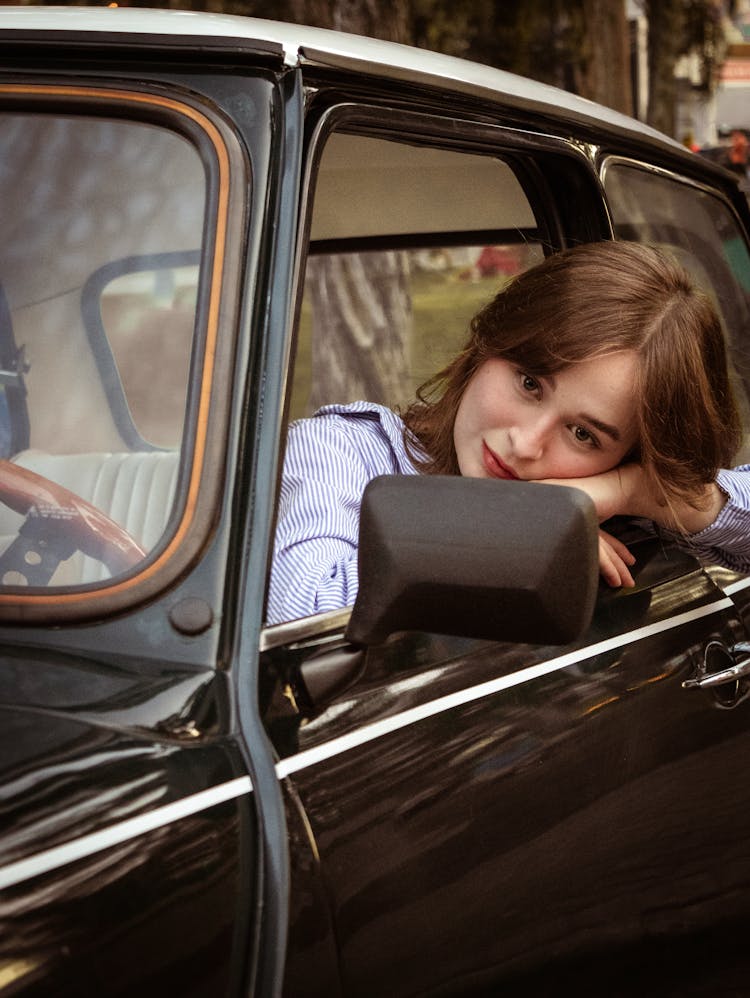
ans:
(477, 558)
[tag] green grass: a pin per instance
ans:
(442, 305)
(442, 310)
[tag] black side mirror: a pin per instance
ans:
(505, 561)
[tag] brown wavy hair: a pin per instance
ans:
(589, 301)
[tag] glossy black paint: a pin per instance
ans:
(84, 745)
(547, 825)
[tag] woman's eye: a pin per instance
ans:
(583, 436)
(529, 384)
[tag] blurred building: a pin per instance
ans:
(713, 117)
(703, 119)
(733, 95)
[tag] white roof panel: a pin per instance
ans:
(302, 45)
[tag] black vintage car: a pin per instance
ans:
(415, 798)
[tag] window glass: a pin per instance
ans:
(701, 231)
(146, 312)
(429, 295)
(372, 187)
(103, 221)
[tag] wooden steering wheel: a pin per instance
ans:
(58, 523)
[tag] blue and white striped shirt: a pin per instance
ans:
(329, 460)
(727, 540)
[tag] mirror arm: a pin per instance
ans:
(330, 672)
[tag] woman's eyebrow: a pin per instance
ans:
(584, 417)
(600, 425)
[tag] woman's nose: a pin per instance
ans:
(528, 440)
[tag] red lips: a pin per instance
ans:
(494, 466)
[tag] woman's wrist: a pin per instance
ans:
(693, 519)
(687, 518)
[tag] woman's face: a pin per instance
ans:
(579, 422)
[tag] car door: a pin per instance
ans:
(475, 815)
(132, 854)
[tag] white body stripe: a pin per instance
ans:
(88, 845)
(379, 728)
(736, 587)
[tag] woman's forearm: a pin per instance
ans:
(625, 491)
(719, 531)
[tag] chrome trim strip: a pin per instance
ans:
(87, 845)
(370, 732)
(616, 159)
(735, 587)
(294, 631)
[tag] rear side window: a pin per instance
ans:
(701, 231)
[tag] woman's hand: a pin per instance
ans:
(614, 561)
(626, 491)
(610, 493)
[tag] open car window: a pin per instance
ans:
(407, 242)
(101, 307)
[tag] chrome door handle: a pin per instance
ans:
(741, 668)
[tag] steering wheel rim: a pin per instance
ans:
(58, 523)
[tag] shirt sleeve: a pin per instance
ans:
(314, 566)
(727, 540)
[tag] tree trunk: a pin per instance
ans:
(361, 325)
(606, 75)
(665, 32)
(388, 19)
(579, 45)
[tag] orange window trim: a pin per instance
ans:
(222, 155)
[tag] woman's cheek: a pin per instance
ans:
(581, 465)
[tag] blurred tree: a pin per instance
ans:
(677, 28)
(446, 27)
(579, 45)
(387, 19)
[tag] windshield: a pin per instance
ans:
(99, 306)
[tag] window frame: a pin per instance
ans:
(228, 192)
(526, 151)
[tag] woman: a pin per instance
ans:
(603, 367)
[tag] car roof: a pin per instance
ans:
(298, 45)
